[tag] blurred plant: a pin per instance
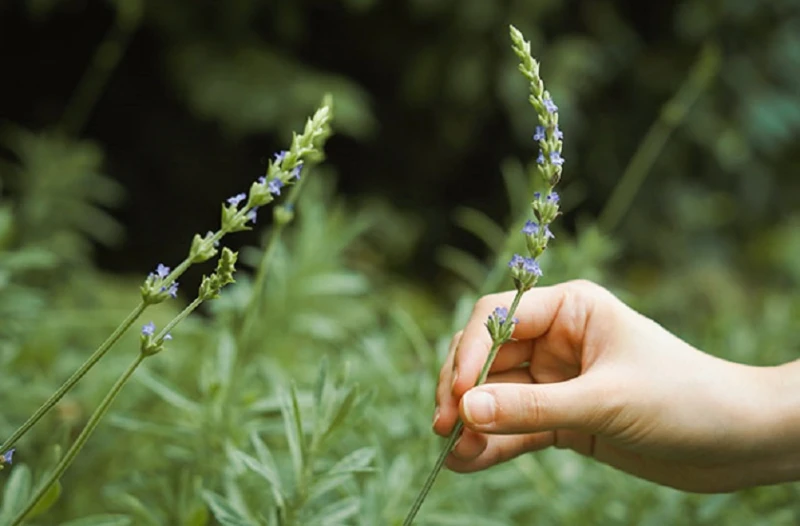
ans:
(284, 170)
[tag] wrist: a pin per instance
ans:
(774, 422)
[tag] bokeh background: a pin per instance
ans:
(123, 124)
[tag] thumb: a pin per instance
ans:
(529, 408)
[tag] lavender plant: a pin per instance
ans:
(284, 170)
(525, 270)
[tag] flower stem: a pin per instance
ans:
(672, 115)
(253, 310)
(73, 451)
(75, 378)
(454, 435)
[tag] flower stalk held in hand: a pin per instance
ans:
(525, 270)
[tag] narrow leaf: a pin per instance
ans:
(294, 431)
(223, 512)
(17, 492)
(166, 393)
(101, 520)
(356, 462)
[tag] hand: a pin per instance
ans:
(590, 374)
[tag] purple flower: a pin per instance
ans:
(540, 159)
(557, 133)
(552, 197)
(235, 200)
(275, 186)
(280, 156)
(8, 456)
(531, 228)
(168, 337)
(501, 314)
(296, 171)
(262, 180)
(172, 290)
(532, 267)
(539, 135)
(516, 261)
(550, 106)
(162, 271)
(528, 265)
(252, 215)
(149, 329)
(556, 159)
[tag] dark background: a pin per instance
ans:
(433, 119)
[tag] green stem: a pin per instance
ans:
(106, 58)
(672, 115)
(253, 309)
(91, 425)
(179, 318)
(454, 435)
(75, 378)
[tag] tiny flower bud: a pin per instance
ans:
(203, 248)
(499, 330)
(524, 271)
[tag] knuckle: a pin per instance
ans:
(531, 405)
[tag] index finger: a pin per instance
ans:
(537, 311)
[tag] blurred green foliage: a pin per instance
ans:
(321, 414)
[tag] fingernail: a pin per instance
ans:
(479, 407)
(435, 416)
(455, 379)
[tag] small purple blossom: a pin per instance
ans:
(557, 133)
(262, 180)
(540, 159)
(162, 271)
(252, 215)
(556, 159)
(8, 456)
(528, 265)
(539, 134)
(531, 228)
(550, 106)
(168, 337)
(149, 329)
(280, 156)
(235, 200)
(501, 315)
(172, 290)
(275, 186)
(552, 197)
(296, 171)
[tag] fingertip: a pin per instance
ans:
(446, 420)
(469, 446)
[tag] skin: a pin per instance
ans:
(588, 373)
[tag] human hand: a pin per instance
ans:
(588, 373)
